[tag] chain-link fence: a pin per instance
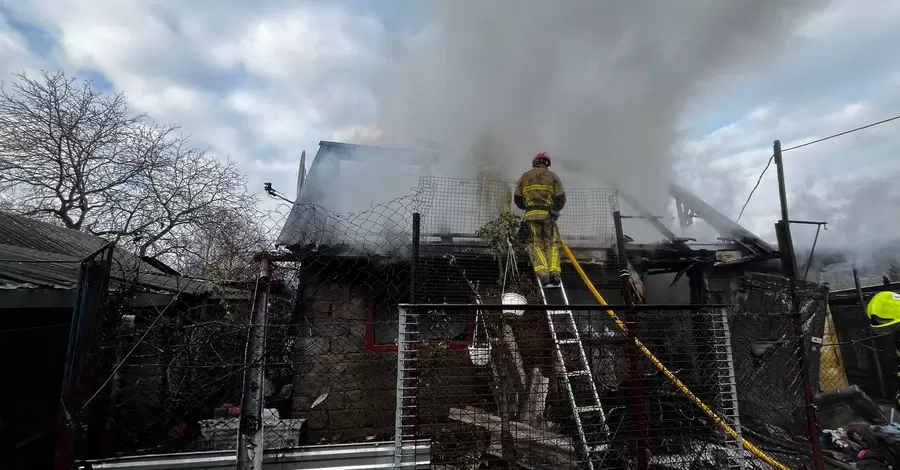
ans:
(832, 373)
(172, 376)
(165, 358)
(469, 210)
(484, 387)
(166, 372)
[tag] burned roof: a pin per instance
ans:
(35, 254)
(341, 209)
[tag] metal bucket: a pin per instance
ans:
(511, 298)
(480, 355)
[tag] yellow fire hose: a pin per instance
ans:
(662, 368)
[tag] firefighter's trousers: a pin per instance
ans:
(543, 246)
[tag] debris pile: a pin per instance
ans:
(864, 445)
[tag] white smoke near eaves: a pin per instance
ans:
(601, 85)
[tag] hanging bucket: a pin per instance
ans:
(511, 298)
(480, 355)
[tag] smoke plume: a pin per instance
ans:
(600, 85)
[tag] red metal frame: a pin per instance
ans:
(383, 348)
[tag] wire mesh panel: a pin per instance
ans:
(515, 397)
(767, 362)
(470, 238)
(457, 209)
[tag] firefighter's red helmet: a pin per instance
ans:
(541, 158)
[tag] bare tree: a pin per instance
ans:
(182, 188)
(75, 155)
(64, 147)
(223, 251)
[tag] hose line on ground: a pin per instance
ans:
(665, 371)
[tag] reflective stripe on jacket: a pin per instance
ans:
(539, 188)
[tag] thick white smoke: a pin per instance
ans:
(599, 84)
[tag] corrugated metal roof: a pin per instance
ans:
(35, 254)
(35, 268)
(17, 230)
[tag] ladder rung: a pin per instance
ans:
(578, 372)
(588, 409)
(559, 312)
(567, 341)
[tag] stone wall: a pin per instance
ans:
(354, 388)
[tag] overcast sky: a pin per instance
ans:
(260, 81)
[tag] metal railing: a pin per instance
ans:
(500, 399)
(372, 455)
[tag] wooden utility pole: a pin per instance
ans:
(789, 263)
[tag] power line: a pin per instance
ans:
(823, 139)
(133, 348)
(816, 141)
(759, 180)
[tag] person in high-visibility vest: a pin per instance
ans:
(539, 192)
(883, 311)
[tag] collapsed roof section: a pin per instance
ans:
(735, 246)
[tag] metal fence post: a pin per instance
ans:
(637, 395)
(414, 262)
(398, 411)
(879, 372)
(790, 265)
(251, 444)
(93, 287)
(730, 387)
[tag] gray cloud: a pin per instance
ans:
(258, 83)
(849, 181)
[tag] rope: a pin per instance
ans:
(511, 265)
(665, 371)
(479, 319)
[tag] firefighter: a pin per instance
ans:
(540, 193)
(883, 311)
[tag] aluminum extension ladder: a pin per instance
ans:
(580, 370)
